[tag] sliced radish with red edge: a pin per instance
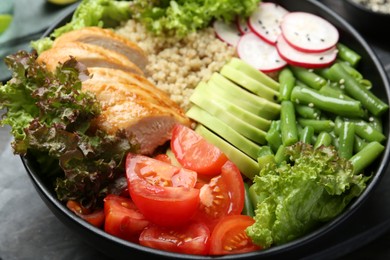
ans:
(265, 21)
(260, 54)
(305, 59)
(242, 25)
(228, 33)
(308, 32)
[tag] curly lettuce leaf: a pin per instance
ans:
(102, 13)
(51, 119)
(313, 187)
(181, 17)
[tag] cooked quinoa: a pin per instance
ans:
(177, 66)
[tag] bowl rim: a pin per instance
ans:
(61, 211)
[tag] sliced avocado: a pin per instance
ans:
(243, 98)
(224, 130)
(206, 90)
(254, 73)
(249, 83)
(214, 107)
(245, 164)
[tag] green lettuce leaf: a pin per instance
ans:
(312, 188)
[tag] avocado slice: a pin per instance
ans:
(224, 130)
(243, 98)
(214, 107)
(206, 90)
(254, 73)
(245, 164)
(249, 83)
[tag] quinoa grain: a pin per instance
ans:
(177, 66)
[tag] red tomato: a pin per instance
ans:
(195, 153)
(123, 219)
(189, 239)
(229, 236)
(164, 193)
(163, 157)
(223, 195)
(95, 218)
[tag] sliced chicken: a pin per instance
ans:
(131, 109)
(89, 55)
(124, 77)
(107, 39)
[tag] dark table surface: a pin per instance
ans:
(29, 230)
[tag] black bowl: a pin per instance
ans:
(365, 19)
(117, 248)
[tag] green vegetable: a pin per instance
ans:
(299, 196)
(102, 13)
(50, 119)
(180, 17)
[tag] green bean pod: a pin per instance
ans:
(287, 83)
(306, 135)
(323, 139)
(307, 112)
(366, 156)
(288, 125)
(358, 144)
(346, 140)
(376, 122)
(274, 136)
(332, 90)
(248, 205)
(309, 77)
(367, 131)
(318, 125)
(337, 106)
(280, 155)
(357, 91)
(348, 55)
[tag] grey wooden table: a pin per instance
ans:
(29, 230)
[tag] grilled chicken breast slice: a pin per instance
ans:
(89, 55)
(107, 39)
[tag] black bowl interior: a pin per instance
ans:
(366, 20)
(117, 248)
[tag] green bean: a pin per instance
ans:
(301, 84)
(367, 131)
(307, 112)
(351, 70)
(336, 106)
(248, 204)
(335, 139)
(376, 122)
(357, 91)
(288, 125)
(287, 82)
(358, 144)
(308, 77)
(265, 156)
(324, 72)
(273, 136)
(346, 140)
(318, 125)
(280, 155)
(323, 139)
(307, 134)
(333, 91)
(366, 156)
(348, 55)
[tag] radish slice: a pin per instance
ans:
(227, 32)
(258, 53)
(305, 59)
(242, 25)
(265, 21)
(308, 32)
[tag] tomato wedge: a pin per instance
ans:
(223, 195)
(229, 236)
(194, 152)
(164, 193)
(95, 218)
(123, 219)
(189, 239)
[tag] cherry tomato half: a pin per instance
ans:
(123, 219)
(194, 152)
(229, 236)
(189, 239)
(164, 193)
